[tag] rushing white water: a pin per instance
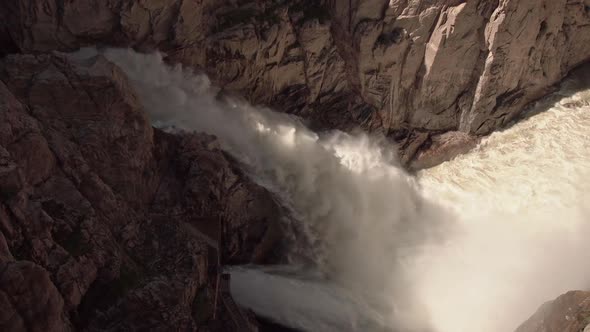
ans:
(476, 245)
(523, 201)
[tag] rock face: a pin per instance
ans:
(568, 313)
(407, 68)
(107, 223)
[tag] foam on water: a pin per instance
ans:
(522, 198)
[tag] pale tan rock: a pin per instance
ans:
(386, 65)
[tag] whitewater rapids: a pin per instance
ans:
(475, 244)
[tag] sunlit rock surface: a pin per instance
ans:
(396, 66)
(97, 208)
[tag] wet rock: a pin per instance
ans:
(443, 148)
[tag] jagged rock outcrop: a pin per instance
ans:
(107, 223)
(409, 68)
(568, 313)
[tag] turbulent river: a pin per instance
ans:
(474, 244)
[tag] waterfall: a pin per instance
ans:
(475, 244)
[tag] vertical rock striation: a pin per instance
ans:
(104, 219)
(398, 66)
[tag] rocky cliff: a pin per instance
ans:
(413, 69)
(107, 223)
(568, 313)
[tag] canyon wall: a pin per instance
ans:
(107, 223)
(412, 69)
(103, 217)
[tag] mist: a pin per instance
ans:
(475, 244)
(523, 202)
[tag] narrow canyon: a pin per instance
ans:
(273, 165)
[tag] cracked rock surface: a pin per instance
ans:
(106, 223)
(406, 68)
(568, 313)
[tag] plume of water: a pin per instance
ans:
(364, 216)
(476, 245)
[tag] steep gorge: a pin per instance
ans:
(101, 213)
(412, 69)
